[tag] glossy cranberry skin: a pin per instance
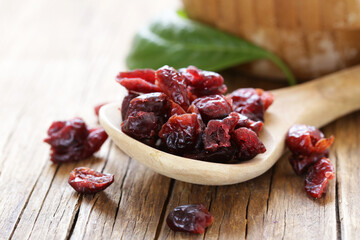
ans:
(212, 107)
(217, 133)
(301, 163)
(244, 121)
(142, 81)
(181, 132)
(125, 103)
(87, 180)
(203, 83)
(72, 141)
(172, 83)
(305, 140)
(318, 177)
(246, 101)
(151, 102)
(220, 155)
(189, 218)
(266, 97)
(249, 144)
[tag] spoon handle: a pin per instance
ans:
(320, 101)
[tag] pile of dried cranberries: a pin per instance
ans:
(185, 113)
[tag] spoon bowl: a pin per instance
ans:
(316, 103)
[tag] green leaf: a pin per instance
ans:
(173, 39)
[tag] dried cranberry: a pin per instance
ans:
(126, 102)
(138, 85)
(203, 83)
(172, 83)
(97, 108)
(72, 140)
(213, 107)
(217, 132)
(175, 108)
(266, 97)
(305, 140)
(87, 180)
(189, 218)
(151, 102)
(144, 126)
(246, 101)
(301, 163)
(181, 132)
(146, 74)
(244, 121)
(318, 177)
(221, 155)
(248, 142)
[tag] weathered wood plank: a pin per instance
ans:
(346, 151)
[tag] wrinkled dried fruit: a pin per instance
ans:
(248, 142)
(266, 97)
(305, 140)
(247, 101)
(73, 141)
(189, 218)
(318, 177)
(125, 103)
(146, 74)
(217, 133)
(142, 81)
(172, 83)
(151, 102)
(244, 121)
(213, 107)
(87, 180)
(221, 155)
(301, 163)
(181, 132)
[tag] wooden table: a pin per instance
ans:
(57, 60)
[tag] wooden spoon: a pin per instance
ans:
(317, 103)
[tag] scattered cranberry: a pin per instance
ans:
(305, 140)
(189, 116)
(189, 218)
(72, 140)
(318, 177)
(142, 81)
(301, 163)
(87, 180)
(248, 143)
(213, 107)
(172, 83)
(247, 101)
(181, 132)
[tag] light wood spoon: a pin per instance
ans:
(316, 102)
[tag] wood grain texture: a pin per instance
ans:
(58, 60)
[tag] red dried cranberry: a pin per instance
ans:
(138, 85)
(97, 108)
(249, 144)
(305, 140)
(151, 102)
(72, 140)
(217, 132)
(146, 74)
(266, 97)
(221, 155)
(87, 180)
(246, 101)
(144, 126)
(172, 83)
(126, 102)
(189, 218)
(318, 177)
(175, 108)
(244, 121)
(301, 163)
(213, 107)
(181, 132)
(203, 83)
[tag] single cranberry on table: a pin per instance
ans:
(72, 140)
(87, 180)
(318, 177)
(189, 218)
